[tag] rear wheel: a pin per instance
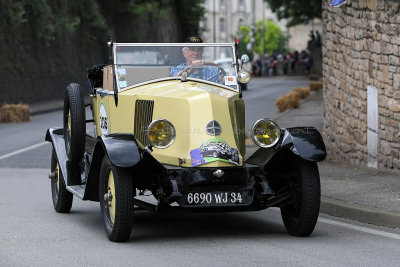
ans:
(74, 123)
(116, 201)
(62, 198)
(300, 212)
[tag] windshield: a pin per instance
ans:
(138, 63)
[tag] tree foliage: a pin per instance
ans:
(296, 11)
(274, 38)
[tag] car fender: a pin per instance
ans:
(122, 150)
(305, 142)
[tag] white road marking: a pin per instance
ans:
(19, 151)
(360, 228)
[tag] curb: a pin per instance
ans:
(361, 213)
(42, 111)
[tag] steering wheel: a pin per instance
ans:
(221, 72)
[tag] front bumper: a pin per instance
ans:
(239, 188)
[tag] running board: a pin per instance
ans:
(272, 201)
(145, 205)
(77, 190)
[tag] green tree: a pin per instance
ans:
(296, 11)
(274, 38)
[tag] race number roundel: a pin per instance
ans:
(103, 119)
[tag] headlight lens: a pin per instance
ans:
(161, 133)
(244, 76)
(265, 133)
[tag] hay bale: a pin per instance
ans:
(303, 92)
(294, 100)
(288, 101)
(14, 113)
(317, 85)
(313, 77)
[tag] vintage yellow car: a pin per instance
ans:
(168, 121)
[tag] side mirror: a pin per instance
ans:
(245, 58)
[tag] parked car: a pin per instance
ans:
(158, 121)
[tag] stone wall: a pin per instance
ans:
(361, 49)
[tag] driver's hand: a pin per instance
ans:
(199, 62)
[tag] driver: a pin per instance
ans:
(195, 66)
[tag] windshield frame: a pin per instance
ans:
(234, 63)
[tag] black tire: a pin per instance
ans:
(74, 123)
(62, 198)
(300, 213)
(117, 212)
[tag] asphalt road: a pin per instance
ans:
(262, 93)
(33, 234)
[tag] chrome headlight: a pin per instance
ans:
(265, 133)
(161, 133)
(244, 76)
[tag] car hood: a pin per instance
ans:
(190, 106)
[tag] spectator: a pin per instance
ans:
(267, 64)
(309, 64)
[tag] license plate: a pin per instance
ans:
(214, 198)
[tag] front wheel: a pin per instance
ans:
(116, 201)
(300, 212)
(62, 198)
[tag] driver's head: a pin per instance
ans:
(194, 52)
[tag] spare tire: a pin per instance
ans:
(74, 123)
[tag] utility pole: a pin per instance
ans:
(263, 36)
(214, 28)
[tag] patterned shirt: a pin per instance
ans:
(209, 73)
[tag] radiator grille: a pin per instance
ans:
(143, 117)
(240, 122)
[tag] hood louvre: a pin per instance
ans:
(143, 118)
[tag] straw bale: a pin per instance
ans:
(14, 113)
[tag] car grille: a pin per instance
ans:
(240, 122)
(143, 118)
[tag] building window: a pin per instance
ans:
(205, 24)
(222, 28)
(222, 4)
(222, 25)
(241, 22)
(242, 6)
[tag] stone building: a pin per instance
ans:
(361, 68)
(230, 14)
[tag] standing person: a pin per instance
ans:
(285, 65)
(273, 65)
(267, 64)
(295, 60)
(309, 64)
(319, 38)
(254, 65)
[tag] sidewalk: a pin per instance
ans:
(353, 192)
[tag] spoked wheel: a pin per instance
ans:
(116, 201)
(74, 123)
(300, 213)
(62, 198)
